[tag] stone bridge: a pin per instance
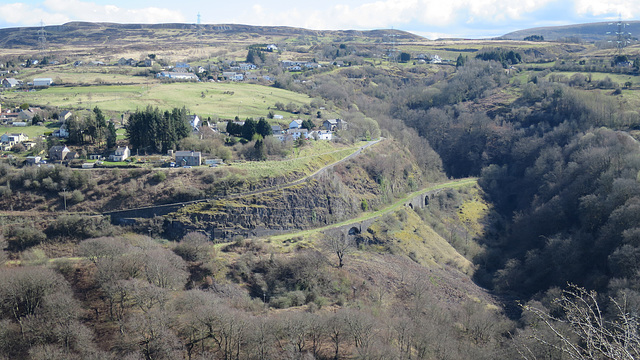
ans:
(353, 230)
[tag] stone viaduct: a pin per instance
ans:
(353, 230)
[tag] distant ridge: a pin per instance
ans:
(87, 32)
(590, 32)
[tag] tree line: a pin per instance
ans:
(154, 131)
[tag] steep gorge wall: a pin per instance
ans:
(312, 204)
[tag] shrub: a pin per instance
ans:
(80, 227)
(159, 177)
(76, 197)
(20, 238)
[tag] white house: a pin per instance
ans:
(121, 154)
(42, 82)
(299, 133)
(194, 120)
(295, 124)
(13, 139)
(247, 66)
(61, 133)
(322, 135)
(272, 47)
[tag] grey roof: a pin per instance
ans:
(12, 81)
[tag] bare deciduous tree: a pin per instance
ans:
(341, 245)
(584, 320)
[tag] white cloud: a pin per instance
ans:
(24, 14)
(61, 11)
(387, 13)
(626, 8)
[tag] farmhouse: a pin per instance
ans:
(188, 158)
(121, 154)
(58, 153)
(334, 124)
(10, 82)
(26, 115)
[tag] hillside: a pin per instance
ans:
(82, 34)
(590, 32)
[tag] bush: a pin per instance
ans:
(159, 177)
(281, 302)
(20, 238)
(77, 227)
(76, 197)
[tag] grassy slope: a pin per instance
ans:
(246, 99)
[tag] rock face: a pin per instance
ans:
(311, 204)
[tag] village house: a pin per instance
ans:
(58, 153)
(247, 66)
(194, 120)
(10, 83)
(334, 124)
(26, 115)
(29, 144)
(12, 139)
(33, 160)
(322, 135)
(61, 133)
(276, 130)
(233, 76)
(121, 154)
(127, 62)
(295, 124)
(182, 66)
(65, 115)
(148, 62)
(299, 133)
(188, 158)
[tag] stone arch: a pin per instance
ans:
(411, 206)
(354, 231)
(426, 200)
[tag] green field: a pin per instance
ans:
(215, 100)
(30, 131)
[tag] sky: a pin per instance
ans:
(433, 19)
